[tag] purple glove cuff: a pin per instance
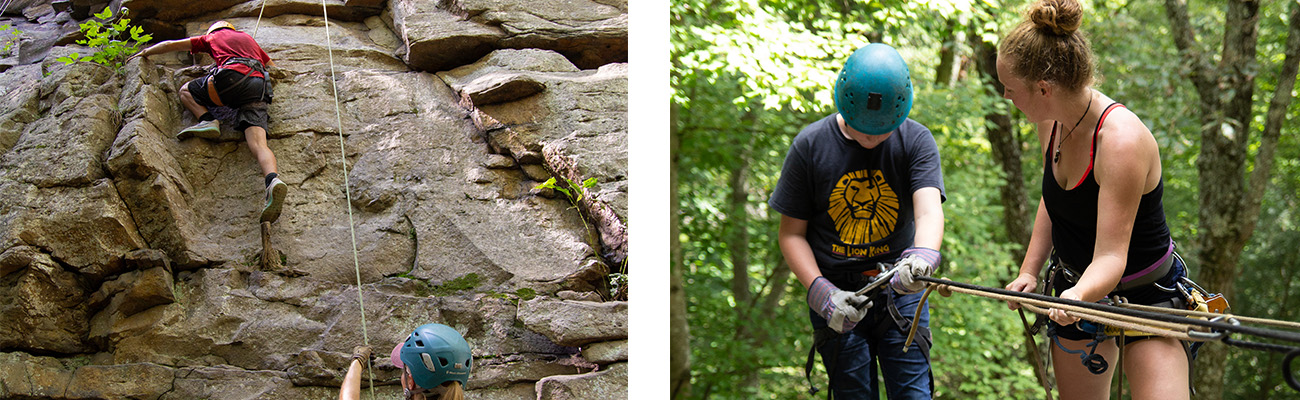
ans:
(929, 255)
(819, 295)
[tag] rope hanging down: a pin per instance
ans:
(1171, 323)
(343, 160)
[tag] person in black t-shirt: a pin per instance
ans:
(860, 187)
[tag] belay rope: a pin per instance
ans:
(1185, 325)
(343, 161)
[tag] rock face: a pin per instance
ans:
(129, 257)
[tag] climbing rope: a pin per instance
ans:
(1178, 324)
(1223, 324)
(259, 20)
(5, 7)
(343, 160)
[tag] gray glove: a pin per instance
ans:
(916, 261)
(841, 309)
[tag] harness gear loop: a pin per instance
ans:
(1095, 363)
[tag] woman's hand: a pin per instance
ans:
(1023, 283)
(1059, 315)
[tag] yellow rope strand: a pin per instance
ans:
(1159, 328)
(356, 262)
(259, 20)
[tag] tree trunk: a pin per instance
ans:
(947, 69)
(1007, 152)
(679, 335)
(1229, 208)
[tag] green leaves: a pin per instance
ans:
(8, 40)
(573, 191)
(110, 51)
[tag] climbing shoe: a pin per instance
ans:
(204, 129)
(275, 193)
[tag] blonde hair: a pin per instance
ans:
(1048, 45)
(453, 392)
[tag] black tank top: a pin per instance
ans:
(1073, 214)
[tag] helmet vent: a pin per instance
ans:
(428, 362)
(442, 361)
(874, 100)
(419, 343)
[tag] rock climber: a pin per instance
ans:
(435, 361)
(238, 80)
(860, 187)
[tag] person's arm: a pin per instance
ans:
(793, 240)
(927, 212)
(351, 389)
(164, 47)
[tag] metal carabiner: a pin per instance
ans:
(1213, 335)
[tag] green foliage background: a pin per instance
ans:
(106, 37)
(747, 75)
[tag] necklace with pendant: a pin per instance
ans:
(1057, 157)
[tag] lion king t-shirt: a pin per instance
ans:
(857, 201)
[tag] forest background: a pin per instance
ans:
(1213, 80)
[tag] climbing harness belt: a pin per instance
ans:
(252, 64)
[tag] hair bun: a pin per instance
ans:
(1061, 17)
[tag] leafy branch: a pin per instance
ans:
(7, 45)
(104, 36)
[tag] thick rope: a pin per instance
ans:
(1074, 305)
(343, 160)
(259, 20)
(1194, 313)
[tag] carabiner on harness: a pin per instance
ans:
(1095, 363)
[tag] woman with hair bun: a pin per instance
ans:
(1100, 221)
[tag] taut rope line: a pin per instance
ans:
(1084, 307)
(259, 21)
(343, 160)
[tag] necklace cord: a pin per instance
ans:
(1057, 157)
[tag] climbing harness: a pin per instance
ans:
(254, 66)
(825, 336)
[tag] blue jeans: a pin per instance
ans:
(876, 343)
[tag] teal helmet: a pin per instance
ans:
(874, 90)
(435, 354)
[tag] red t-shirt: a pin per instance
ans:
(225, 44)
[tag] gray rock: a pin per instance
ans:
(128, 255)
(606, 352)
(591, 33)
(610, 383)
(502, 87)
(439, 39)
(575, 323)
(44, 309)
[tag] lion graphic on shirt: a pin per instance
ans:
(864, 207)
